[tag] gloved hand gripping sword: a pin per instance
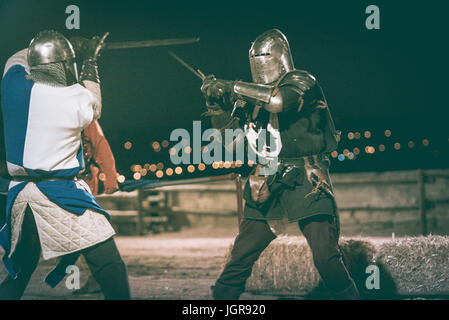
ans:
(212, 88)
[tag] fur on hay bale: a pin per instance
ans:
(411, 266)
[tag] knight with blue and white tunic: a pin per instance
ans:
(45, 109)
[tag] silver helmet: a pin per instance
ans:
(270, 57)
(50, 46)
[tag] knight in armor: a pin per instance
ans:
(46, 106)
(292, 102)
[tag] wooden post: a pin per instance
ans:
(238, 186)
(140, 213)
(422, 202)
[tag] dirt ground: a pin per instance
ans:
(181, 265)
(174, 265)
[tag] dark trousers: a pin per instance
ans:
(103, 259)
(255, 235)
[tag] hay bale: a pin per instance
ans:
(410, 266)
(286, 266)
(418, 265)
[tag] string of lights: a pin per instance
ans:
(353, 146)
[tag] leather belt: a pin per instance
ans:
(40, 179)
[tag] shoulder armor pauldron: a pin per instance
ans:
(299, 79)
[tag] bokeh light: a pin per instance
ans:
(137, 176)
(165, 143)
(156, 146)
(136, 167)
(370, 149)
(128, 145)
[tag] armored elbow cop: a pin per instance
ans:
(261, 94)
(256, 91)
(298, 80)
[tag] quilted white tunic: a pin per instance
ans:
(43, 126)
(60, 232)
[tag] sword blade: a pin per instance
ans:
(148, 43)
(198, 73)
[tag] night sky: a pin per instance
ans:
(394, 78)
